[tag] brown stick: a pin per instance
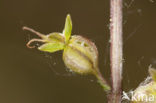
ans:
(116, 49)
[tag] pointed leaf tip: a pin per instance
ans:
(51, 47)
(68, 28)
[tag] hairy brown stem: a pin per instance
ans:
(116, 51)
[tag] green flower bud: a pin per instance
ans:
(80, 55)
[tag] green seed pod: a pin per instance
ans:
(80, 55)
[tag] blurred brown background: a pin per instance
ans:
(30, 76)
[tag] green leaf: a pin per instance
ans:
(68, 28)
(153, 73)
(51, 47)
(56, 37)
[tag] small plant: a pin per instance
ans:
(80, 55)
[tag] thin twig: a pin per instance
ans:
(116, 50)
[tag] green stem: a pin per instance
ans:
(102, 82)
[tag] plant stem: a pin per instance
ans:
(102, 82)
(116, 50)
